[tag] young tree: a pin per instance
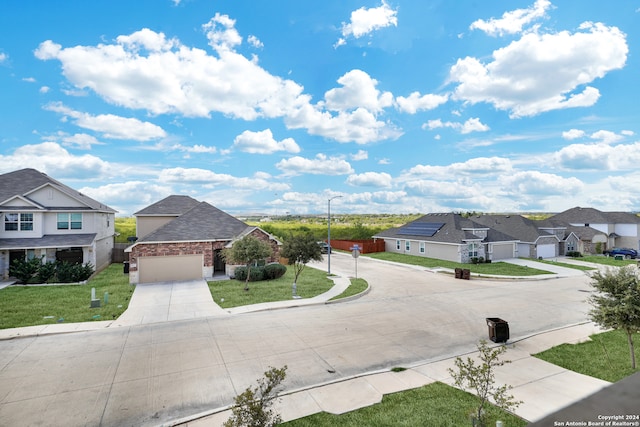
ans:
(253, 407)
(616, 304)
(480, 378)
(247, 251)
(299, 250)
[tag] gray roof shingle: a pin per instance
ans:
(201, 223)
(580, 215)
(49, 241)
(23, 181)
(174, 205)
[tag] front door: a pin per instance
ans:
(218, 261)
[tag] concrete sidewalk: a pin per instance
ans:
(543, 388)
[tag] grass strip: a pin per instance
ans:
(40, 305)
(231, 293)
(436, 404)
(606, 356)
(493, 268)
(357, 286)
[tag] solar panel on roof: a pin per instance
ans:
(424, 229)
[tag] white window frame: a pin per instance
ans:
(23, 221)
(398, 245)
(473, 249)
(72, 220)
(407, 245)
(423, 247)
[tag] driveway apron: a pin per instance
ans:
(169, 301)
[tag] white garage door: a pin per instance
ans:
(546, 251)
(504, 251)
(169, 268)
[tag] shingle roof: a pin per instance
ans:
(49, 241)
(517, 227)
(580, 215)
(201, 223)
(172, 205)
(23, 181)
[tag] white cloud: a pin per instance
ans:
(210, 179)
(475, 166)
(111, 126)
(255, 42)
(29, 79)
(416, 102)
(129, 196)
(599, 156)
(262, 142)
(573, 134)
(146, 70)
(514, 21)
(358, 90)
(606, 136)
(54, 160)
(365, 21)
(542, 72)
(360, 155)
(320, 165)
(534, 182)
(370, 179)
(80, 141)
(471, 125)
(3, 57)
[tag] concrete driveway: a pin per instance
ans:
(152, 374)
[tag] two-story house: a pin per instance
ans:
(43, 218)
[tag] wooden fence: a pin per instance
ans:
(366, 246)
(118, 254)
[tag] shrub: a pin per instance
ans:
(257, 274)
(274, 271)
(46, 272)
(574, 254)
(25, 270)
(69, 273)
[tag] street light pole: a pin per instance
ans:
(329, 233)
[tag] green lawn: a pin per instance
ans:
(607, 260)
(435, 404)
(567, 265)
(357, 286)
(312, 282)
(39, 305)
(494, 268)
(606, 356)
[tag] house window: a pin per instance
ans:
(407, 245)
(571, 246)
(69, 221)
(18, 221)
(398, 245)
(422, 247)
(473, 250)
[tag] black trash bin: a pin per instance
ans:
(458, 272)
(126, 267)
(498, 329)
(466, 274)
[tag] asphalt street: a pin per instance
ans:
(152, 374)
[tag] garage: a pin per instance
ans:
(501, 251)
(169, 268)
(546, 251)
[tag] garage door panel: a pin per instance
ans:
(169, 268)
(502, 252)
(546, 251)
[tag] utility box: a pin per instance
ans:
(498, 329)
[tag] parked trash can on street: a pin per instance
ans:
(458, 273)
(466, 274)
(126, 267)
(498, 329)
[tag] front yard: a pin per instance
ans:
(41, 305)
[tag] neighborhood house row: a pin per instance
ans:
(181, 238)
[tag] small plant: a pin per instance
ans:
(46, 272)
(253, 407)
(274, 271)
(480, 378)
(574, 254)
(25, 270)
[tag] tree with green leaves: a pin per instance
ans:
(253, 407)
(480, 378)
(248, 250)
(300, 250)
(616, 304)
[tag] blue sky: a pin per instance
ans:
(397, 106)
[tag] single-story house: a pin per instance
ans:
(453, 237)
(47, 219)
(180, 238)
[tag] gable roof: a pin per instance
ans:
(201, 223)
(580, 215)
(24, 181)
(174, 205)
(455, 229)
(516, 226)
